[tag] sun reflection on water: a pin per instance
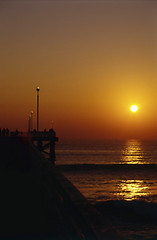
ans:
(132, 189)
(133, 153)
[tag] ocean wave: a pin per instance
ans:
(136, 211)
(113, 167)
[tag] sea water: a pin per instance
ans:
(119, 178)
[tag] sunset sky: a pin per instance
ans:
(92, 60)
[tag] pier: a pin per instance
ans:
(37, 201)
(45, 140)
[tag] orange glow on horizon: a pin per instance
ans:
(87, 59)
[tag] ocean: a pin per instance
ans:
(119, 178)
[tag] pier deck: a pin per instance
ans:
(38, 202)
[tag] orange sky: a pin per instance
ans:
(91, 59)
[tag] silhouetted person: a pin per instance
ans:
(16, 132)
(7, 132)
(52, 132)
(0, 131)
(3, 131)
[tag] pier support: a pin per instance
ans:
(45, 142)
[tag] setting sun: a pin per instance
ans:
(134, 108)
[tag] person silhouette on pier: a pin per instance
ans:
(3, 132)
(16, 132)
(52, 132)
(7, 132)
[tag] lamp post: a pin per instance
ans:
(31, 124)
(37, 89)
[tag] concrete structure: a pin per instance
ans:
(38, 202)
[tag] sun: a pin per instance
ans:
(133, 108)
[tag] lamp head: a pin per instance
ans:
(38, 89)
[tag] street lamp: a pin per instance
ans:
(37, 89)
(31, 126)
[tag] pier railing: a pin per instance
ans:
(43, 140)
